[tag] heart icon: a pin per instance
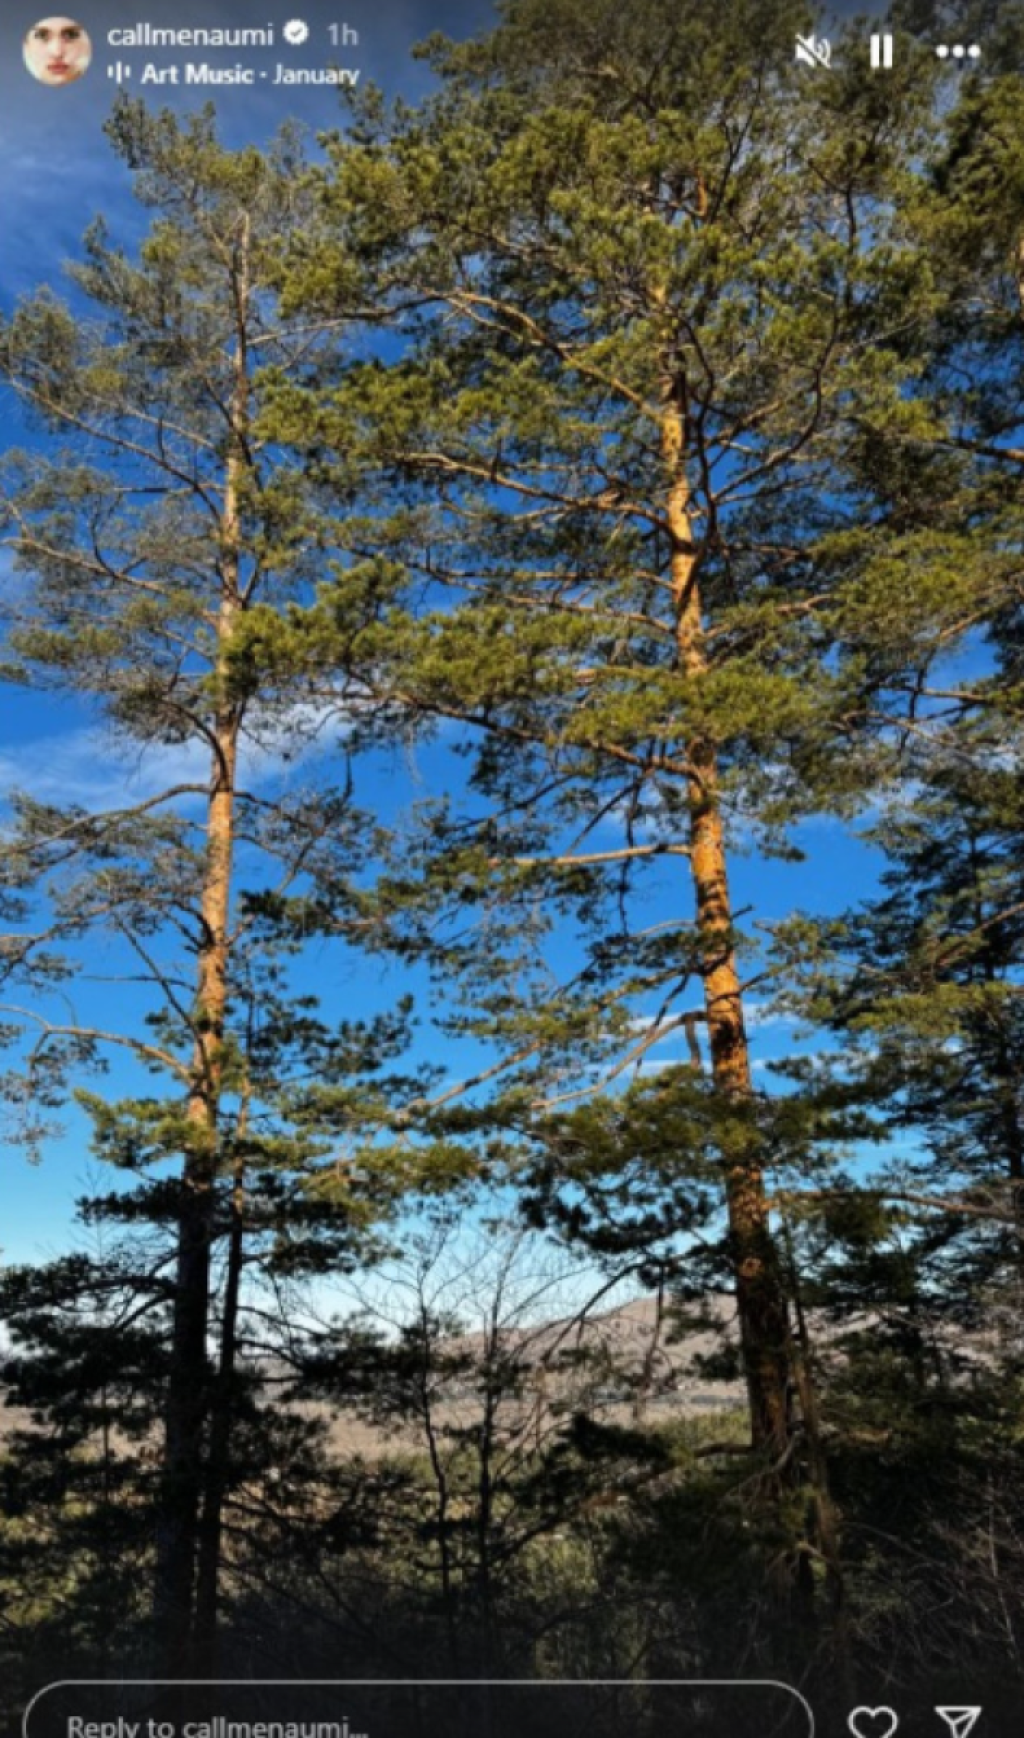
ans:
(873, 1722)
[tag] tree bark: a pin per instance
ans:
(211, 1521)
(760, 1291)
(188, 1393)
(188, 1405)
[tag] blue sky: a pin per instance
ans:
(57, 169)
(59, 173)
(64, 754)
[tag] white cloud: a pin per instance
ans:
(759, 1016)
(89, 767)
(656, 1065)
(83, 767)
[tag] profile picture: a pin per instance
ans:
(57, 50)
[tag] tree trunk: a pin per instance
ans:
(188, 1395)
(211, 1523)
(188, 1384)
(760, 1292)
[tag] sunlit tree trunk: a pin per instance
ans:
(760, 1294)
(188, 1413)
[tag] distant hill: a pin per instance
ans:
(628, 1365)
(620, 1365)
(639, 1363)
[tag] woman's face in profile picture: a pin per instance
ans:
(57, 50)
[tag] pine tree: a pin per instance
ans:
(624, 423)
(921, 987)
(152, 515)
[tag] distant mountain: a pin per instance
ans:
(644, 1362)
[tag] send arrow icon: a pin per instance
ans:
(961, 1721)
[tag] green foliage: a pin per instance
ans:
(684, 493)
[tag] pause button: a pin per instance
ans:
(881, 51)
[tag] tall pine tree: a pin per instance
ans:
(152, 515)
